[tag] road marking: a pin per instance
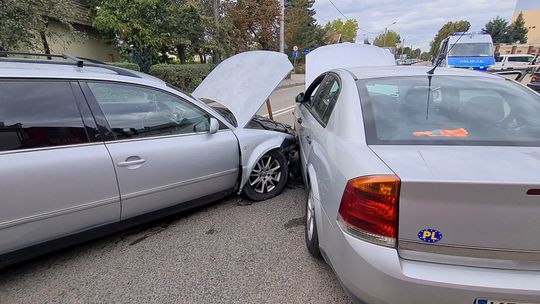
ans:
(281, 111)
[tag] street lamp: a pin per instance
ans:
(386, 32)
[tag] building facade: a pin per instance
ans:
(531, 13)
(86, 42)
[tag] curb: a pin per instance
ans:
(286, 86)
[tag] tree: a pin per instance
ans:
(25, 24)
(136, 26)
(445, 31)
(518, 31)
(256, 24)
(498, 28)
(389, 38)
(185, 28)
(348, 29)
(301, 28)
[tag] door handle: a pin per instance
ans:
(131, 163)
(299, 120)
(308, 139)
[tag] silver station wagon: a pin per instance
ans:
(87, 148)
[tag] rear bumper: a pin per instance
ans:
(375, 274)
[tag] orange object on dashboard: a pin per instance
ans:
(445, 133)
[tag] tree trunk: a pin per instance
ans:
(45, 43)
(181, 49)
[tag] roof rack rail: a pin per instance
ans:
(80, 62)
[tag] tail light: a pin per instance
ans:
(534, 78)
(369, 209)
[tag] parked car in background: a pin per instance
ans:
(87, 149)
(422, 188)
(535, 82)
(509, 61)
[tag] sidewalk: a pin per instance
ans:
(296, 80)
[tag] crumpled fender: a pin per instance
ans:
(254, 143)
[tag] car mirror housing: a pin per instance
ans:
(214, 126)
(300, 98)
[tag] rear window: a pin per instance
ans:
(471, 50)
(461, 111)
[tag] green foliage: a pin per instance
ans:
(445, 31)
(24, 24)
(503, 32)
(301, 28)
(498, 28)
(348, 29)
(184, 76)
(388, 39)
(126, 65)
(518, 31)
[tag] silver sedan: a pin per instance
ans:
(423, 188)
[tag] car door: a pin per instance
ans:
(162, 148)
(57, 176)
(315, 111)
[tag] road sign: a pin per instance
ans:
(295, 48)
(306, 51)
(295, 54)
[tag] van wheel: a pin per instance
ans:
(311, 234)
(268, 178)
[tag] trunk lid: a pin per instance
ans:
(476, 198)
(242, 83)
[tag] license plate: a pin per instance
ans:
(490, 301)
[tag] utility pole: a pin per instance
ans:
(217, 54)
(282, 27)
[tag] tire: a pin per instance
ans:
(268, 178)
(311, 233)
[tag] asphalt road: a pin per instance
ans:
(228, 252)
(283, 102)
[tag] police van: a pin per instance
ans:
(467, 50)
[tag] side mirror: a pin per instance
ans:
(214, 126)
(300, 98)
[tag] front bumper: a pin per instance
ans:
(376, 274)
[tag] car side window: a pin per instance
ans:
(326, 98)
(37, 114)
(138, 112)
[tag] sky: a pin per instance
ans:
(418, 21)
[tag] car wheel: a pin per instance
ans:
(268, 178)
(311, 234)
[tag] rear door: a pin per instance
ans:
(162, 149)
(57, 176)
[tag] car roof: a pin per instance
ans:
(65, 70)
(516, 55)
(400, 71)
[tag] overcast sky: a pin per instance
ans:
(416, 20)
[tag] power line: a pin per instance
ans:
(342, 14)
(347, 18)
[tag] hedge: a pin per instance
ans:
(184, 76)
(126, 65)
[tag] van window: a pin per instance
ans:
(526, 59)
(36, 114)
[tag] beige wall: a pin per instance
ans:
(88, 45)
(532, 22)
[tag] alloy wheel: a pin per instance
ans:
(266, 175)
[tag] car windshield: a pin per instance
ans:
(461, 111)
(471, 50)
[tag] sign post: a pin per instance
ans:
(295, 56)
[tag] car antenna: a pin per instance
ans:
(432, 71)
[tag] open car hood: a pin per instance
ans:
(242, 83)
(345, 55)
